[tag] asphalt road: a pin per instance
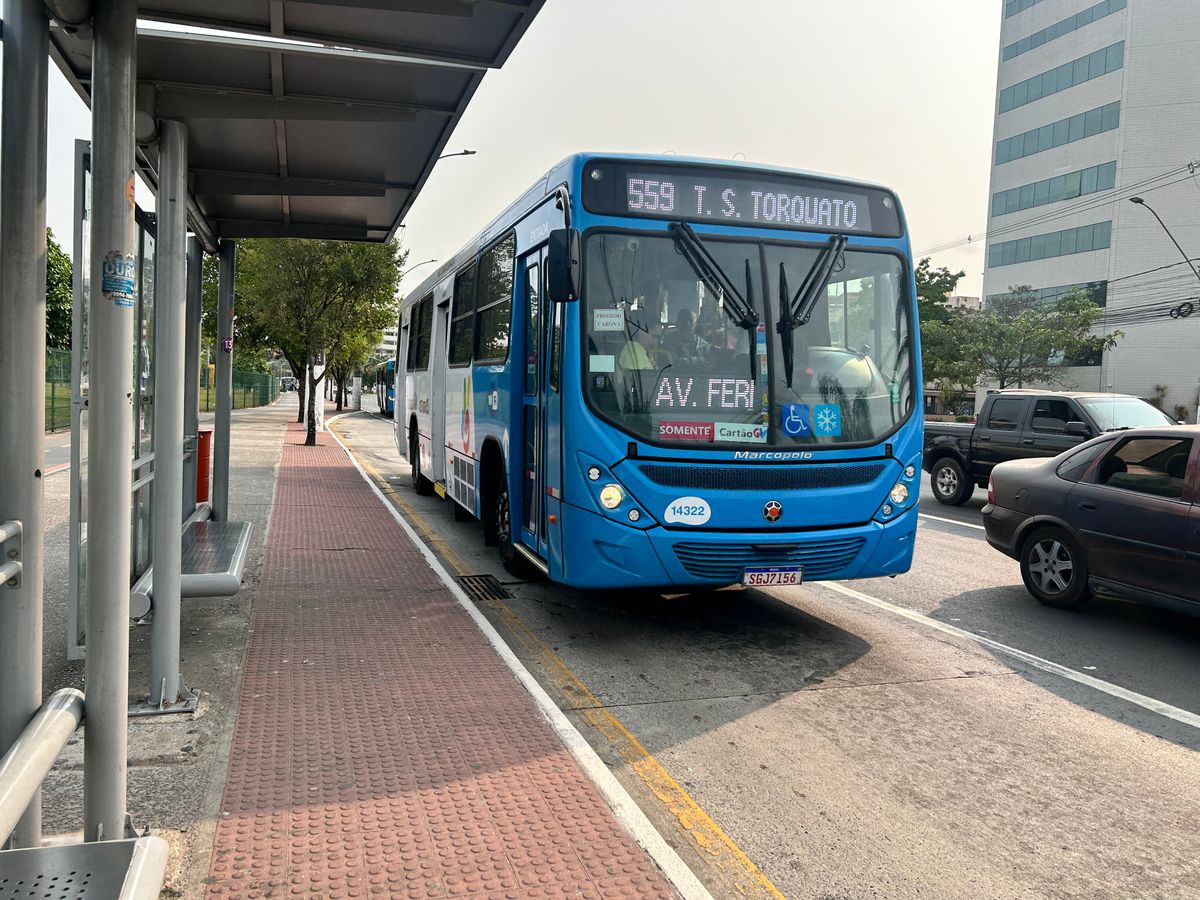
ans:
(852, 749)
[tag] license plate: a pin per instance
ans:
(773, 576)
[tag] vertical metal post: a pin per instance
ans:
(170, 309)
(23, 368)
(220, 492)
(113, 291)
(77, 593)
(191, 369)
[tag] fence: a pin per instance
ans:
(58, 390)
(249, 389)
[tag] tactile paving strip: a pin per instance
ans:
(381, 747)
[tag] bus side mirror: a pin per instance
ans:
(562, 265)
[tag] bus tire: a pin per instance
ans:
(513, 561)
(420, 484)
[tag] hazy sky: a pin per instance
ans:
(895, 91)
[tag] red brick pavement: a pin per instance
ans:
(381, 747)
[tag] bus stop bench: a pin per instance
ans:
(214, 555)
(107, 870)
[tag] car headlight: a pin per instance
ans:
(611, 496)
(899, 493)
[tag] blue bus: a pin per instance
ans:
(669, 372)
(385, 387)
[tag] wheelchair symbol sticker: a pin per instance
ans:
(796, 419)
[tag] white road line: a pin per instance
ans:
(1149, 703)
(628, 813)
(949, 521)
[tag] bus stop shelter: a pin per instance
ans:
(224, 108)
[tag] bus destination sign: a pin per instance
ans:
(738, 197)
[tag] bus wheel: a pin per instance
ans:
(502, 519)
(420, 483)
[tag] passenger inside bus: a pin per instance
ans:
(682, 341)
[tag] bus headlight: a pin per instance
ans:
(899, 493)
(611, 496)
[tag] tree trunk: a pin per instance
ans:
(311, 439)
(339, 390)
(301, 393)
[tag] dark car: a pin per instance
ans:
(1118, 515)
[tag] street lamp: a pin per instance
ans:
(459, 153)
(1140, 202)
(426, 262)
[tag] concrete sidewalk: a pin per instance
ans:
(381, 747)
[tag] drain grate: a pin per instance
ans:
(483, 588)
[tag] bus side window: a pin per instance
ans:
(462, 326)
(495, 303)
(556, 346)
(426, 332)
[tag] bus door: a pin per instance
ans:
(438, 351)
(541, 471)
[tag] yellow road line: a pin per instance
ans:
(713, 842)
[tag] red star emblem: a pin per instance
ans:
(772, 511)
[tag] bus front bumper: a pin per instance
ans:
(608, 554)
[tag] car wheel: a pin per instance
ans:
(513, 561)
(949, 482)
(1054, 569)
(420, 483)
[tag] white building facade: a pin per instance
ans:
(1099, 102)
(387, 345)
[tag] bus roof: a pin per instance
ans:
(560, 174)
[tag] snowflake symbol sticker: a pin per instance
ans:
(828, 421)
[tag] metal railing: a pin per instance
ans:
(28, 762)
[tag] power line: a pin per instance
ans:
(1093, 201)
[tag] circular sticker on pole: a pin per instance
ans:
(688, 511)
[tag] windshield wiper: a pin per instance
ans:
(738, 307)
(713, 276)
(796, 311)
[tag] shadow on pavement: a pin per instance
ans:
(1140, 648)
(639, 648)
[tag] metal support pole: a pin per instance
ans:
(110, 422)
(23, 367)
(220, 492)
(170, 308)
(191, 369)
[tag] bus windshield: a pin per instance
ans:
(670, 359)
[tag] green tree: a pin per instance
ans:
(314, 299)
(59, 295)
(250, 343)
(1023, 341)
(351, 354)
(934, 287)
(943, 331)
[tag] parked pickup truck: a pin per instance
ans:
(1023, 424)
